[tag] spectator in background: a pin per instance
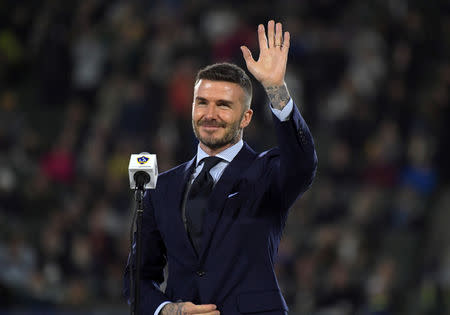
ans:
(373, 80)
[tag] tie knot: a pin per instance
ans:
(210, 162)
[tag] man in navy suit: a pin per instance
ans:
(220, 243)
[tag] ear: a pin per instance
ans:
(246, 118)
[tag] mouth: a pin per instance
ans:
(210, 127)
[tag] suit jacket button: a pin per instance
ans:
(201, 273)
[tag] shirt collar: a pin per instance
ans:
(227, 154)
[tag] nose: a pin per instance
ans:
(211, 111)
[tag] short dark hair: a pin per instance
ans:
(227, 72)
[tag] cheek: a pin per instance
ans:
(227, 116)
(196, 114)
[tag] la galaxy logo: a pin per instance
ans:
(142, 159)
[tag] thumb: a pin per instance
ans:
(247, 55)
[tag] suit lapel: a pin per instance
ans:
(180, 183)
(220, 192)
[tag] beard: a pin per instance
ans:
(231, 136)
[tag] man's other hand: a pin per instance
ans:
(188, 308)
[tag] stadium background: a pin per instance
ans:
(85, 83)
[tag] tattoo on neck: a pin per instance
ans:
(278, 95)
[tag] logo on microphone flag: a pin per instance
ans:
(142, 159)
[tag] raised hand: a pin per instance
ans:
(270, 68)
(188, 308)
(273, 51)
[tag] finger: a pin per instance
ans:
(262, 37)
(200, 309)
(278, 35)
(286, 42)
(271, 32)
(247, 55)
(209, 313)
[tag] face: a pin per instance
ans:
(219, 114)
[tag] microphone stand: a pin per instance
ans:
(138, 195)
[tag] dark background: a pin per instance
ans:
(85, 83)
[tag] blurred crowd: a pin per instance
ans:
(83, 84)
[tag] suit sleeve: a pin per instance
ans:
(294, 168)
(153, 262)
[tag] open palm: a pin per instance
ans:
(270, 67)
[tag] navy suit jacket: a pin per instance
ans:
(242, 228)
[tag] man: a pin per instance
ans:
(219, 229)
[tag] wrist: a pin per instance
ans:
(273, 84)
(164, 310)
(278, 95)
(171, 308)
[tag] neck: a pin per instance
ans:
(214, 151)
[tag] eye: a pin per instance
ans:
(224, 104)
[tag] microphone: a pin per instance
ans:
(143, 171)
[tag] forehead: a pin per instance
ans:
(218, 90)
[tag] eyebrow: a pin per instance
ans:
(199, 98)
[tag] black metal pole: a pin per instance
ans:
(139, 196)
